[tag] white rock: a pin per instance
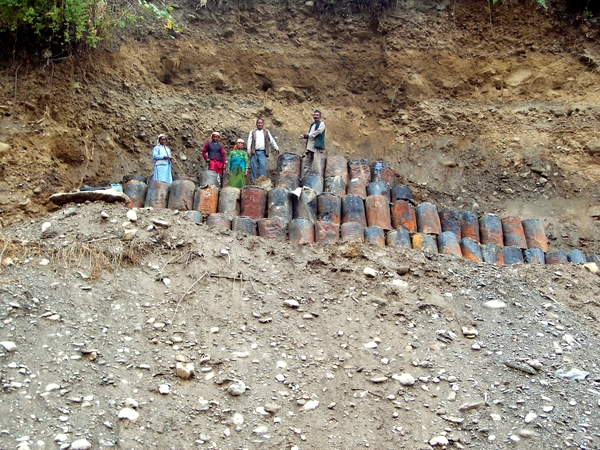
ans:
(591, 267)
(129, 234)
(131, 403)
(530, 417)
(438, 440)
(226, 432)
(261, 410)
(45, 226)
(548, 408)
(291, 303)
(214, 330)
(310, 405)
(237, 388)
(104, 215)
(469, 332)
(166, 281)
(80, 444)
(184, 371)
(164, 389)
(9, 346)
(475, 346)
(260, 430)
(44, 262)
(52, 387)
(240, 354)
(494, 304)
(129, 414)
(60, 437)
(399, 283)
(405, 379)
(370, 272)
(237, 419)
(371, 344)
(280, 377)
(132, 215)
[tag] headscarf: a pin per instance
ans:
(158, 138)
(215, 133)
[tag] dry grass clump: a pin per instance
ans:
(14, 250)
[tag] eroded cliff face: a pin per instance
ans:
(497, 109)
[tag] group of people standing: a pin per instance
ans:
(259, 144)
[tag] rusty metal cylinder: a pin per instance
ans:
(404, 216)
(378, 188)
(229, 201)
(290, 163)
(375, 235)
(302, 231)
(512, 229)
(357, 187)
(558, 257)
(206, 199)
(512, 255)
(492, 254)
(274, 229)
(469, 225)
(305, 206)
(490, 230)
(534, 256)
(576, 256)
(448, 244)
(593, 258)
(398, 238)
(535, 234)
(194, 216)
(253, 202)
(378, 211)
(329, 206)
(382, 171)
(337, 166)
(450, 221)
(335, 185)
(279, 204)
(219, 220)
(359, 168)
(288, 180)
(352, 232)
(157, 196)
(209, 178)
(353, 210)
(315, 182)
(471, 249)
(425, 243)
(402, 192)
(136, 191)
(428, 220)
(244, 224)
(326, 231)
(181, 196)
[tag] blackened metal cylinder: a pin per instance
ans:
(425, 243)
(157, 196)
(378, 188)
(219, 220)
(274, 229)
(329, 206)
(535, 234)
(398, 238)
(352, 232)
(469, 225)
(576, 256)
(289, 162)
(428, 220)
(450, 221)
(288, 180)
(353, 210)
(315, 182)
(206, 199)
(471, 249)
(448, 244)
(512, 255)
(359, 168)
(492, 254)
(244, 224)
(356, 187)
(375, 235)
(301, 231)
(534, 256)
(382, 171)
(335, 185)
(402, 192)
(279, 204)
(136, 191)
(490, 230)
(229, 201)
(337, 166)
(305, 206)
(326, 231)
(558, 257)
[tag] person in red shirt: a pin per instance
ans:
(214, 153)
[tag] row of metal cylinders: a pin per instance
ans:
(354, 201)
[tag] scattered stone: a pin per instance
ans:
(52, 387)
(548, 408)
(405, 379)
(164, 389)
(525, 433)
(132, 215)
(44, 262)
(470, 406)
(131, 403)
(45, 226)
(184, 371)
(379, 301)
(371, 345)
(160, 223)
(129, 414)
(104, 215)
(476, 346)
(470, 333)
(530, 417)
(377, 380)
(237, 419)
(591, 267)
(438, 440)
(129, 234)
(291, 304)
(521, 366)
(572, 374)
(237, 388)
(9, 346)
(310, 405)
(260, 430)
(494, 304)
(536, 364)
(370, 272)
(80, 444)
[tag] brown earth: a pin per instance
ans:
(493, 114)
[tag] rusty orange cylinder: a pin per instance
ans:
(535, 234)
(181, 196)
(229, 201)
(337, 166)
(378, 212)
(274, 229)
(375, 236)
(359, 168)
(157, 196)
(534, 256)
(352, 232)
(471, 249)
(219, 220)
(448, 244)
(288, 180)
(450, 221)
(403, 216)
(490, 230)
(326, 231)
(469, 225)
(353, 210)
(357, 187)
(206, 199)
(514, 236)
(425, 243)
(492, 254)
(330, 206)
(302, 231)
(254, 202)
(558, 257)
(428, 220)
(136, 191)
(398, 238)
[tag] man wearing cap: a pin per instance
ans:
(238, 165)
(259, 143)
(315, 145)
(214, 153)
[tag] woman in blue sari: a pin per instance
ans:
(162, 157)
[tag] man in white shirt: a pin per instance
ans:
(259, 143)
(315, 145)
